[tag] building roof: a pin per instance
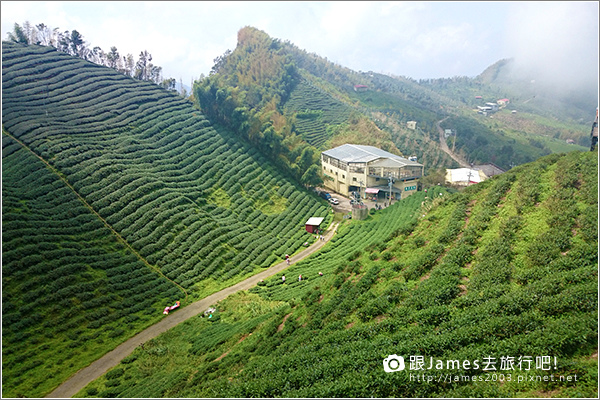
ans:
(357, 153)
(392, 163)
(314, 221)
(489, 169)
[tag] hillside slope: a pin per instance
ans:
(542, 125)
(70, 289)
(192, 203)
(283, 98)
(503, 276)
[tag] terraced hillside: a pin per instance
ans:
(70, 289)
(502, 276)
(315, 110)
(90, 155)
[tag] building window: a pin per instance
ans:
(354, 179)
(343, 176)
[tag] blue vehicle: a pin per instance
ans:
(325, 195)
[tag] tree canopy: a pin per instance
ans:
(246, 91)
(73, 43)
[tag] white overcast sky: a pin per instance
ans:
(413, 39)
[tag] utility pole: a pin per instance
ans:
(390, 183)
(360, 189)
(454, 143)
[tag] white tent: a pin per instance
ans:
(464, 176)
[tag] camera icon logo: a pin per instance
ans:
(393, 363)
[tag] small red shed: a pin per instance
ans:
(313, 224)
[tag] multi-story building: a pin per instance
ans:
(368, 170)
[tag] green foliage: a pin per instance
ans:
(466, 295)
(199, 204)
(507, 267)
(65, 280)
(312, 177)
(482, 145)
(246, 93)
(315, 111)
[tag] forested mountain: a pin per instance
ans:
(119, 198)
(285, 98)
(502, 275)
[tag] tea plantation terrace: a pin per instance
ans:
(119, 199)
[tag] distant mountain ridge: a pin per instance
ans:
(542, 96)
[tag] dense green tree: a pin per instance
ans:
(18, 35)
(246, 90)
(77, 44)
(142, 66)
(312, 176)
(306, 158)
(112, 57)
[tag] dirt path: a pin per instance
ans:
(96, 369)
(446, 149)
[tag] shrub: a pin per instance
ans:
(92, 391)
(115, 373)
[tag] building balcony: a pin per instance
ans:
(398, 178)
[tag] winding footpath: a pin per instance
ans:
(99, 367)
